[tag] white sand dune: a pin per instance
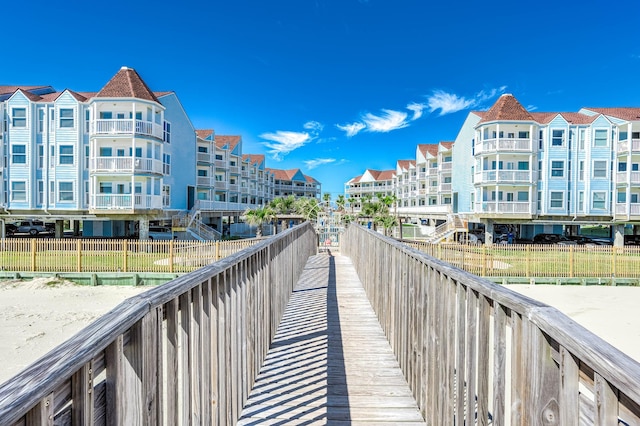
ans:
(37, 315)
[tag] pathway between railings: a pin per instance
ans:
(330, 362)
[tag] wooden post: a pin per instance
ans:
(571, 262)
(528, 268)
(33, 255)
(171, 256)
(78, 255)
(125, 263)
(82, 409)
(484, 261)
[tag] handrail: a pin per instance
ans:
(461, 338)
(186, 352)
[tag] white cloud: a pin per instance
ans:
(387, 121)
(313, 126)
(283, 142)
(449, 103)
(531, 108)
(351, 129)
(312, 164)
(417, 110)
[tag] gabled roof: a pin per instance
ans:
(447, 145)
(355, 179)
(506, 107)
(51, 97)
(627, 114)
(428, 148)
(569, 117)
(32, 97)
(386, 175)
(7, 90)
(309, 179)
(406, 164)
(127, 83)
(204, 134)
(287, 174)
(254, 158)
(230, 141)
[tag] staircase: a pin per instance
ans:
(194, 226)
(454, 224)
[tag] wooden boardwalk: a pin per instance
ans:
(330, 362)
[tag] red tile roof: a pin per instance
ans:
(507, 107)
(446, 145)
(30, 96)
(7, 90)
(310, 179)
(386, 175)
(203, 134)
(430, 148)
(356, 179)
(232, 141)
(127, 83)
(254, 158)
(406, 164)
(627, 114)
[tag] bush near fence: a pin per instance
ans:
(78, 255)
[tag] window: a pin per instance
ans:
(19, 117)
(557, 168)
(66, 154)
(600, 138)
(203, 149)
(120, 152)
(634, 198)
(557, 138)
(599, 200)
(86, 121)
(523, 135)
(622, 167)
(105, 151)
(166, 164)
(40, 156)
(40, 120)
(105, 188)
(167, 132)
(523, 196)
(447, 159)
(166, 195)
(622, 197)
(40, 192)
(634, 167)
(106, 115)
(138, 115)
(202, 173)
(447, 179)
(65, 191)
(600, 169)
(19, 154)
(557, 199)
(219, 157)
(581, 201)
(523, 165)
(18, 191)
(138, 152)
(66, 118)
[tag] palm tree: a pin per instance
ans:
(326, 197)
(259, 216)
(340, 202)
(307, 207)
(388, 221)
(283, 206)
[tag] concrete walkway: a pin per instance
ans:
(330, 362)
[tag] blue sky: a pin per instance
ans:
(335, 87)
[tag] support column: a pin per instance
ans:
(488, 232)
(618, 235)
(143, 229)
(59, 230)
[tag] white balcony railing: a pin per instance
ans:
(204, 157)
(125, 202)
(503, 176)
(633, 209)
(209, 205)
(445, 187)
(495, 145)
(446, 166)
(433, 171)
(126, 127)
(221, 164)
(519, 207)
(125, 165)
(623, 146)
(633, 179)
(205, 181)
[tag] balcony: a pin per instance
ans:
(445, 187)
(120, 202)
(503, 145)
(503, 176)
(221, 185)
(633, 209)
(446, 166)
(125, 165)
(234, 170)
(204, 157)
(205, 181)
(209, 205)
(432, 172)
(513, 207)
(124, 127)
(221, 164)
(623, 146)
(633, 179)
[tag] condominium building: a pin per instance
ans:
(294, 182)
(118, 158)
(539, 171)
(372, 183)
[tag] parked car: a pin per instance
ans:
(33, 227)
(547, 239)
(161, 233)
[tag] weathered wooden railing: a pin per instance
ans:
(184, 353)
(469, 347)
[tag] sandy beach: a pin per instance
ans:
(36, 316)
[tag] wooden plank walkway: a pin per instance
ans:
(330, 362)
